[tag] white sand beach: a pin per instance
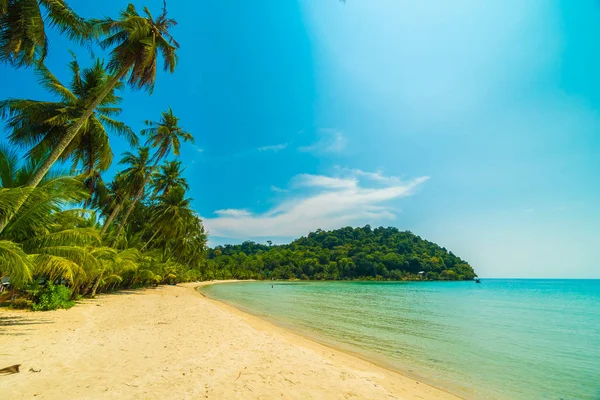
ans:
(171, 342)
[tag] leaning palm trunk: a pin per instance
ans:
(137, 198)
(112, 217)
(151, 239)
(57, 151)
(96, 284)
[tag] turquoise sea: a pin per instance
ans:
(501, 339)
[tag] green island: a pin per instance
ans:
(347, 253)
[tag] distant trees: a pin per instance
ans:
(347, 253)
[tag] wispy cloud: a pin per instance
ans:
(377, 177)
(278, 189)
(274, 148)
(317, 201)
(331, 141)
(232, 212)
(199, 149)
(322, 181)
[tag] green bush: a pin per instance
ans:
(52, 298)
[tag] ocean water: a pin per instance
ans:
(501, 339)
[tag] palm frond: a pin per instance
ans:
(65, 20)
(48, 81)
(136, 42)
(120, 128)
(69, 237)
(57, 267)
(14, 263)
(22, 35)
(9, 161)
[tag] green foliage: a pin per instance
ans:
(23, 38)
(347, 253)
(136, 41)
(21, 303)
(44, 234)
(52, 297)
(39, 125)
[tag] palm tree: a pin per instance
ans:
(170, 215)
(135, 41)
(40, 125)
(135, 178)
(168, 177)
(112, 265)
(165, 136)
(46, 237)
(110, 201)
(23, 39)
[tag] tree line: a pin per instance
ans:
(347, 253)
(65, 231)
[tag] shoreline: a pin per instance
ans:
(174, 342)
(341, 347)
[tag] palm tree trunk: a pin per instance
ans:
(97, 283)
(111, 217)
(151, 239)
(137, 197)
(57, 151)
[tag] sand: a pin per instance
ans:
(172, 343)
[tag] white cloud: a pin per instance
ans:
(377, 176)
(322, 181)
(278, 189)
(232, 212)
(331, 141)
(274, 148)
(337, 202)
(199, 149)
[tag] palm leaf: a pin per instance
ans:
(48, 81)
(57, 267)
(15, 263)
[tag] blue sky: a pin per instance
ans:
(473, 124)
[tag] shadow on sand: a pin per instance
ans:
(18, 320)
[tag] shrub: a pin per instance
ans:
(52, 298)
(21, 303)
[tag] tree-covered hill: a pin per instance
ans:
(346, 253)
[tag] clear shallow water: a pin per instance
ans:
(501, 339)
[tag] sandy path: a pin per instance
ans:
(172, 343)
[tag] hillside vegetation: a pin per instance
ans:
(347, 253)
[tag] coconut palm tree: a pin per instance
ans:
(136, 42)
(168, 177)
(170, 215)
(111, 200)
(112, 265)
(46, 237)
(23, 40)
(38, 126)
(165, 136)
(135, 178)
